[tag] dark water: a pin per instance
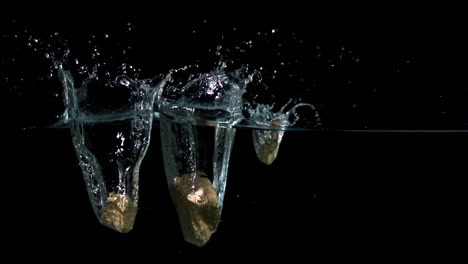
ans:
(356, 194)
(343, 195)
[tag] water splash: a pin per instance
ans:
(196, 158)
(212, 96)
(287, 116)
(111, 179)
(199, 107)
(267, 140)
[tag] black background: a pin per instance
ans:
(328, 195)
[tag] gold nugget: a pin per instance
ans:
(119, 212)
(268, 145)
(196, 202)
(267, 142)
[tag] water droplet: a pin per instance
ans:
(124, 82)
(273, 31)
(36, 40)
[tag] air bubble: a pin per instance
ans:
(125, 82)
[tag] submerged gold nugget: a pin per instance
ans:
(267, 143)
(269, 146)
(196, 202)
(119, 212)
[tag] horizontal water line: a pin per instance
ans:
(244, 124)
(403, 130)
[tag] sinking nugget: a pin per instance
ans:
(119, 212)
(267, 143)
(196, 202)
